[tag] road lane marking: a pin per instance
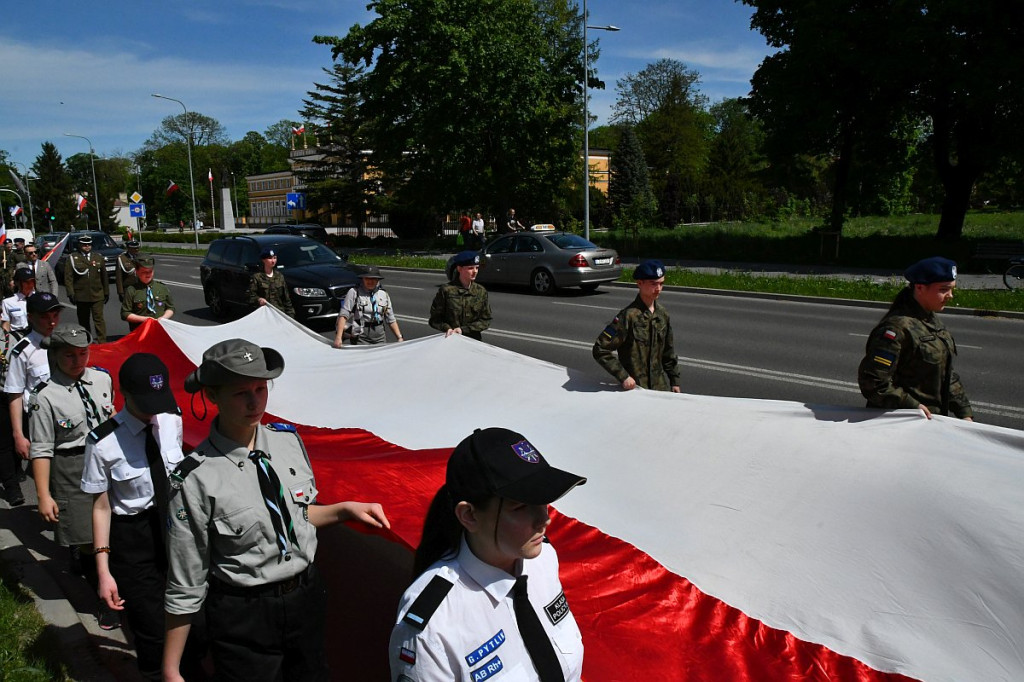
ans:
(396, 286)
(584, 305)
(959, 345)
(182, 284)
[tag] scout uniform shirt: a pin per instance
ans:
(908, 361)
(125, 273)
(645, 347)
(219, 524)
(472, 635)
(149, 301)
(366, 313)
(455, 306)
(64, 411)
(273, 289)
(85, 277)
(28, 368)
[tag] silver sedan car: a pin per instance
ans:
(545, 261)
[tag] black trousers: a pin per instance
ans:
(10, 462)
(269, 637)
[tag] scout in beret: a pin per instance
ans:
(908, 360)
(146, 298)
(637, 347)
(462, 306)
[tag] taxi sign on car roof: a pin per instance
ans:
(543, 227)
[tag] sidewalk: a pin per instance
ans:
(66, 602)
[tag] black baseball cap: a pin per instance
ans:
(42, 302)
(145, 378)
(497, 461)
(234, 360)
(23, 275)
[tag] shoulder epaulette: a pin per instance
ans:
(184, 468)
(20, 347)
(177, 411)
(103, 430)
(100, 369)
(426, 604)
(40, 386)
(276, 426)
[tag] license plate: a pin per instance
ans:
(602, 261)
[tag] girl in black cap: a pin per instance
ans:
(487, 597)
(242, 532)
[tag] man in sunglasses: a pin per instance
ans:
(46, 279)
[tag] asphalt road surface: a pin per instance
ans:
(728, 345)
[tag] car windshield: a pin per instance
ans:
(566, 240)
(304, 253)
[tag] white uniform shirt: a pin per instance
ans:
(117, 463)
(15, 311)
(473, 636)
(478, 227)
(29, 368)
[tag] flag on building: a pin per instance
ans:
(80, 202)
(298, 131)
(172, 187)
(16, 211)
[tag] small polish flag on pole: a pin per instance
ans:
(298, 131)
(16, 211)
(172, 187)
(80, 202)
(211, 176)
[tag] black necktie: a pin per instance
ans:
(157, 472)
(273, 496)
(537, 643)
(92, 414)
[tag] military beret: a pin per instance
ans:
(234, 360)
(467, 258)
(268, 253)
(132, 244)
(649, 269)
(23, 274)
(67, 334)
(19, 239)
(42, 302)
(931, 270)
(84, 239)
(144, 262)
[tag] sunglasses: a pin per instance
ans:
(31, 253)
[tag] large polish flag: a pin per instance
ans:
(716, 538)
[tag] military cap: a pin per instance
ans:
(18, 240)
(68, 334)
(42, 302)
(144, 262)
(84, 239)
(234, 360)
(371, 271)
(132, 244)
(146, 379)
(649, 269)
(467, 258)
(501, 462)
(931, 270)
(23, 274)
(267, 253)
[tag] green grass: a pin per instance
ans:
(28, 652)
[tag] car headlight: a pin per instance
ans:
(310, 292)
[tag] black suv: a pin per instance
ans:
(101, 243)
(317, 278)
(311, 230)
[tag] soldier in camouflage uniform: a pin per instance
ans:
(146, 297)
(909, 356)
(641, 336)
(269, 286)
(85, 279)
(126, 268)
(461, 306)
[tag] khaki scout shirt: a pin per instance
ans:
(59, 418)
(644, 344)
(220, 525)
(908, 361)
(366, 313)
(456, 307)
(136, 301)
(85, 277)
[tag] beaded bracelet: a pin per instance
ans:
(101, 550)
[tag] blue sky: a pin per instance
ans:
(89, 68)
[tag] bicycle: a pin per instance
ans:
(1013, 278)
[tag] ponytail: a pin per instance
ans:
(442, 530)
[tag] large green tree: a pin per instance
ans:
(471, 102)
(629, 187)
(53, 188)
(736, 160)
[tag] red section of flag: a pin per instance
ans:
(81, 202)
(211, 176)
(172, 187)
(3, 230)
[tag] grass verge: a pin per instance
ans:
(28, 652)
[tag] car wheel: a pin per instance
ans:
(215, 299)
(592, 286)
(542, 282)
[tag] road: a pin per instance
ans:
(728, 345)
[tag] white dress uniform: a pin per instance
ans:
(472, 634)
(28, 367)
(15, 312)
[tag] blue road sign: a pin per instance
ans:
(296, 201)
(137, 210)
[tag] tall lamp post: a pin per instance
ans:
(95, 191)
(28, 190)
(586, 120)
(191, 177)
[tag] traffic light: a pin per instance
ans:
(49, 215)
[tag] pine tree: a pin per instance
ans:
(629, 187)
(53, 188)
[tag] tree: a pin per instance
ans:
(661, 83)
(53, 188)
(471, 102)
(203, 130)
(629, 187)
(735, 160)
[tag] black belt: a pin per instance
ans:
(70, 452)
(277, 589)
(137, 517)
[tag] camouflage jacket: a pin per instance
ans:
(85, 277)
(909, 361)
(136, 301)
(273, 289)
(644, 346)
(455, 306)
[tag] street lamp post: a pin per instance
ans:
(28, 190)
(586, 121)
(95, 191)
(191, 177)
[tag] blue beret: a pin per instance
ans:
(267, 253)
(467, 258)
(930, 270)
(649, 269)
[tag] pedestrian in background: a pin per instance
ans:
(86, 283)
(46, 280)
(461, 306)
(268, 286)
(637, 347)
(908, 360)
(126, 268)
(145, 298)
(477, 229)
(365, 312)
